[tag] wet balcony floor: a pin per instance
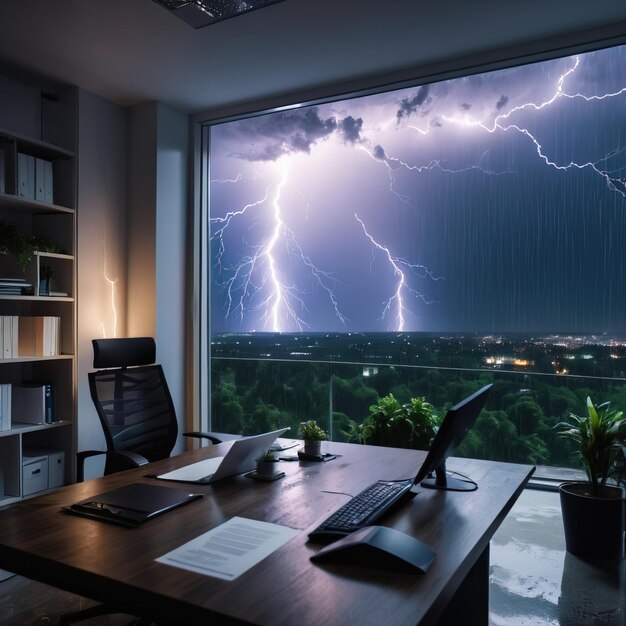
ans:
(535, 582)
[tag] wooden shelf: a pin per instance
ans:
(19, 428)
(32, 207)
(42, 148)
(55, 220)
(38, 298)
(36, 359)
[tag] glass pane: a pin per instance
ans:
(254, 396)
(422, 242)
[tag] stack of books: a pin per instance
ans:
(9, 336)
(15, 287)
(39, 335)
(5, 407)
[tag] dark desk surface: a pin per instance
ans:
(111, 563)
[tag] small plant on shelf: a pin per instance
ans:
(18, 245)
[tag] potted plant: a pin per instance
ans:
(410, 425)
(267, 464)
(313, 436)
(18, 245)
(593, 511)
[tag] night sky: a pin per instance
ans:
(492, 203)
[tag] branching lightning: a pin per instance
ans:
(501, 123)
(402, 289)
(258, 282)
(265, 287)
(393, 163)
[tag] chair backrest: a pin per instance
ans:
(132, 398)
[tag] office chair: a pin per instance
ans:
(134, 405)
(138, 418)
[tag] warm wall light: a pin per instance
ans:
(199, 13)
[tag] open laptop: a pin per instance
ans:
(239, 459)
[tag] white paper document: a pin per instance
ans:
(202, 471)
(231, 549)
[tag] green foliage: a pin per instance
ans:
(248, 397)
(269, 456)
(15, 243)
(310, 431)
(410, 425)
(598, 435)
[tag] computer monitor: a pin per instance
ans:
(457, 422)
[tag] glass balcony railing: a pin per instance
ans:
(250, 396)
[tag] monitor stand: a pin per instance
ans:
(447, 483)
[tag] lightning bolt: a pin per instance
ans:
(400, 267)
(501, 123)
(218, 233)
(223, 181)
(393, 164)
(112, 283)
(262, 275)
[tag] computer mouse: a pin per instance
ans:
(378, 547)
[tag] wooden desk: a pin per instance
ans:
(115, 564)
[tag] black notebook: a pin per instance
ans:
(133, 504)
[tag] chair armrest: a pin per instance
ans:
(80, 462)
(134, 458)
(116, 461)
(199, 435)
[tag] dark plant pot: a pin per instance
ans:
(594, 527)
(312, 447)
(266, 468)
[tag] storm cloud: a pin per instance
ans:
(272, 136)
(410, 105)
(269, 137)
(351, 129)
(502, 102)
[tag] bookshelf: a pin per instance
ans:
(38, 201)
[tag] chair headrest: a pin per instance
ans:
(123, 352)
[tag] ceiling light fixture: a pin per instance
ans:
(200, 13)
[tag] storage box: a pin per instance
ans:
(32, 404)
(34, 474)
(56, 469)
(55, 460)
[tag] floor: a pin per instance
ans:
(534, 582)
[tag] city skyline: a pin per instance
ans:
(488, 203)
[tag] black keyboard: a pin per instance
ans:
(361, 510)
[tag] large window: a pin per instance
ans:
(466, 229)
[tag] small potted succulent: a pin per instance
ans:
(593, 511)
(267, 464)
(313, 436)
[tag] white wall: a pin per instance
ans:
(102, 244)
(157, 227)
(132, 229)
(142, 200)
(171, 255)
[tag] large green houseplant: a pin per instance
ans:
(410, 425)
(593, 511)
